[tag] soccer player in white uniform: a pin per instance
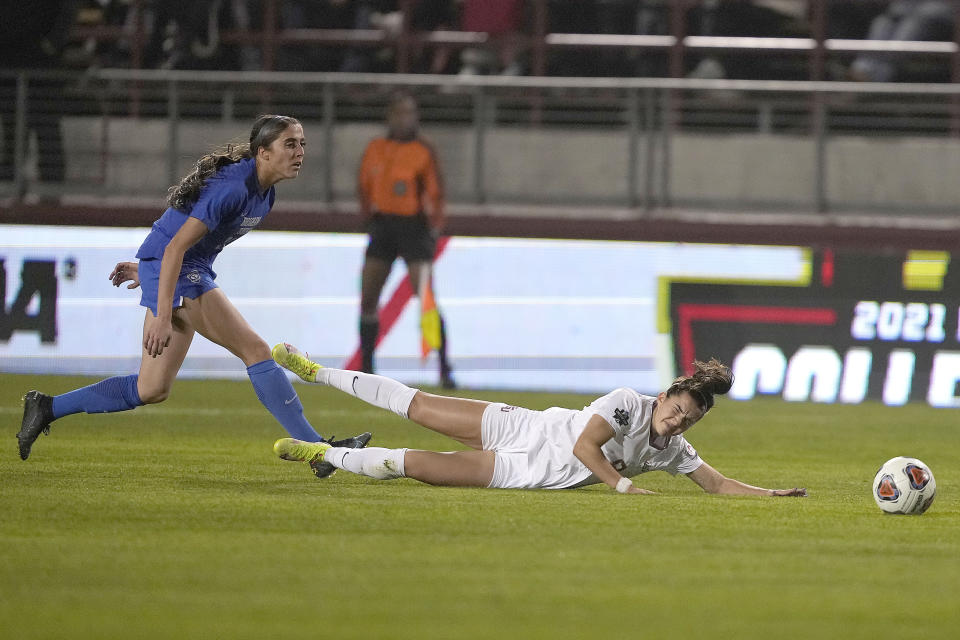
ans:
(616, 437)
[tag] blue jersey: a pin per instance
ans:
(230, 205)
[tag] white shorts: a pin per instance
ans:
(506, 431)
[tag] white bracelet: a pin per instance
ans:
(624, 485)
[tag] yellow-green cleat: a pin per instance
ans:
(300, 451)
(313, 452)
(288, 357)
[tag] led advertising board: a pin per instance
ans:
(881, 326)
(521, 313)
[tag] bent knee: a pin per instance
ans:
(419, 406)
(256, 351)
(154, 396)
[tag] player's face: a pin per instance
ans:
(675, 414)
(403, 119)
(283, 158)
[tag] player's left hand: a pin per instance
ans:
(796, 492)
(125, 271)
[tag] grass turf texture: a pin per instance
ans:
(177, 521)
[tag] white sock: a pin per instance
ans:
(379, 391)
(374, 462)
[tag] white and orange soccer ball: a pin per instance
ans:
(904, 485)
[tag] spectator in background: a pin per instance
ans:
(641, 17)
(630, 17)
(600, 16)
(32, 36)
(907, 20)
(850, 19)
(502, 21)
(312, 14)
(433, 15)
(343, 15)
(370, 14)
(183, 34)
(400, 189)
(740, 18)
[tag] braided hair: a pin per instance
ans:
(712, 377)
(266, 129)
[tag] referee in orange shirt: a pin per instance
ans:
(400, 189)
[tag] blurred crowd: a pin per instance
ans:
(188, 34)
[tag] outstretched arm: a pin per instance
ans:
(712, 481)
(587, 449)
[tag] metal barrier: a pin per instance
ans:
(644, 144)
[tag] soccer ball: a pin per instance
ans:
(904, 485)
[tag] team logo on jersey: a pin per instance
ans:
(194, 276)
(622, 417)
(399, 188)
(507, 407)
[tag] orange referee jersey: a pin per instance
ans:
(401, 178)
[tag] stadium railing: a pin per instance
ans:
(627, 149)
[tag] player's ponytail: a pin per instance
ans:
(709, 378)
(266, 129)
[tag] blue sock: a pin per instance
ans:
(113, 394)
(277, 395)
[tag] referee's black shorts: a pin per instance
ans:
(409, 237)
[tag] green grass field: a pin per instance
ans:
(176, 521)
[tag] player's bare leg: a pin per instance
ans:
(156, 375)
(453, 469)
(217, 320)
(457, 418)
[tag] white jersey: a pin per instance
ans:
(548, 437)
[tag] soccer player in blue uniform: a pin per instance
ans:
(227, 194)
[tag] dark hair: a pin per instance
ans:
(710, 378)
(266, 129)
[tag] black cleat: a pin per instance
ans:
(325, 469)
(37, 416)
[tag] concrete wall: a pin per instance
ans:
(553, 166)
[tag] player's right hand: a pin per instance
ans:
(645, 492)
(156, 335)
(126, 271)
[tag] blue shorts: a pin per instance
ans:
(195, 279)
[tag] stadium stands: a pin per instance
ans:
(540, 154)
